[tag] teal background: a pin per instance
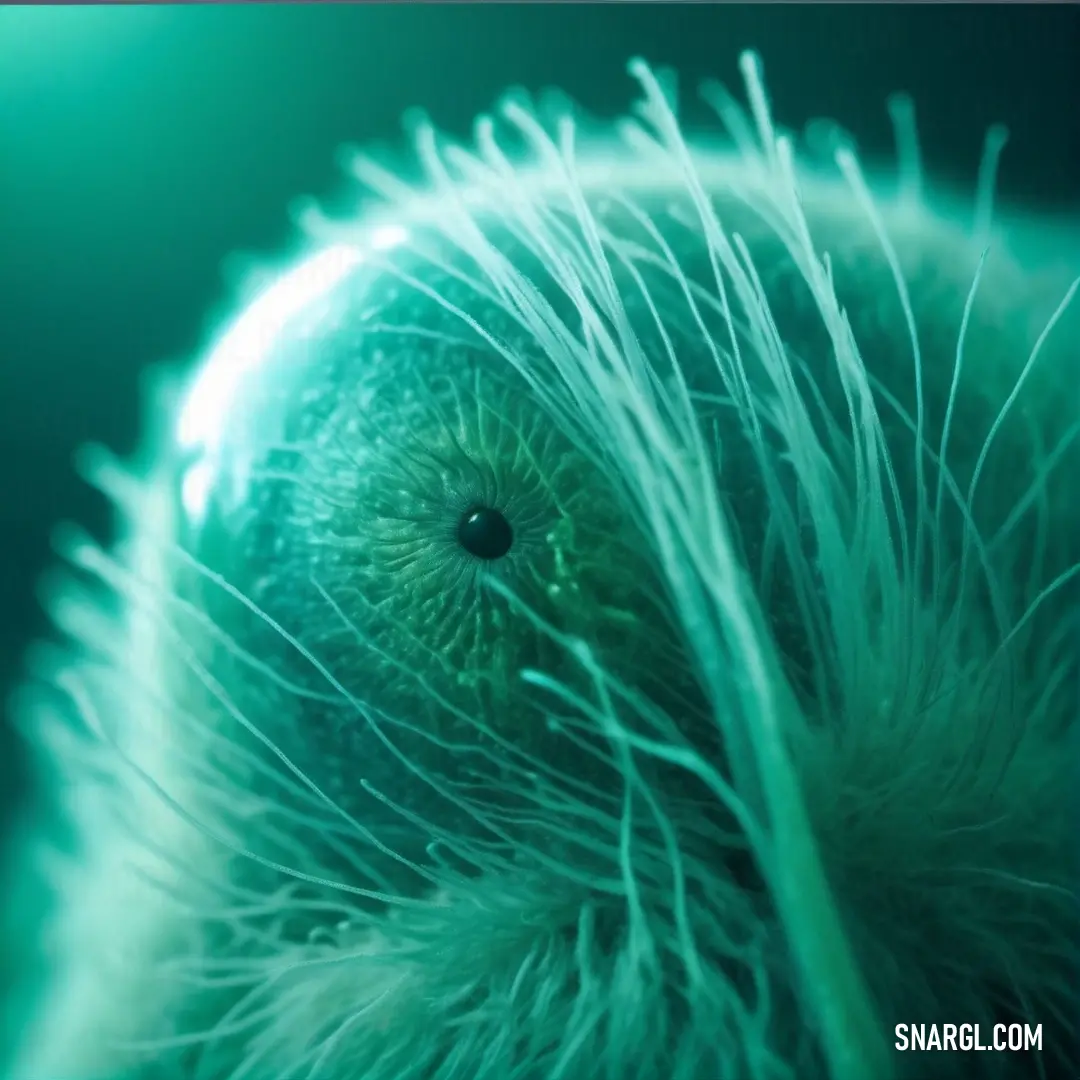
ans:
(140, 146)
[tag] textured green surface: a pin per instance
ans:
(146, 146)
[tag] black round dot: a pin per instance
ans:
(485, 533)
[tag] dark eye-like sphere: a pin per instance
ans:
(485, 533)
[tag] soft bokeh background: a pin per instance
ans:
(140, 146)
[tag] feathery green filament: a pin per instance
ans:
(626, 636)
